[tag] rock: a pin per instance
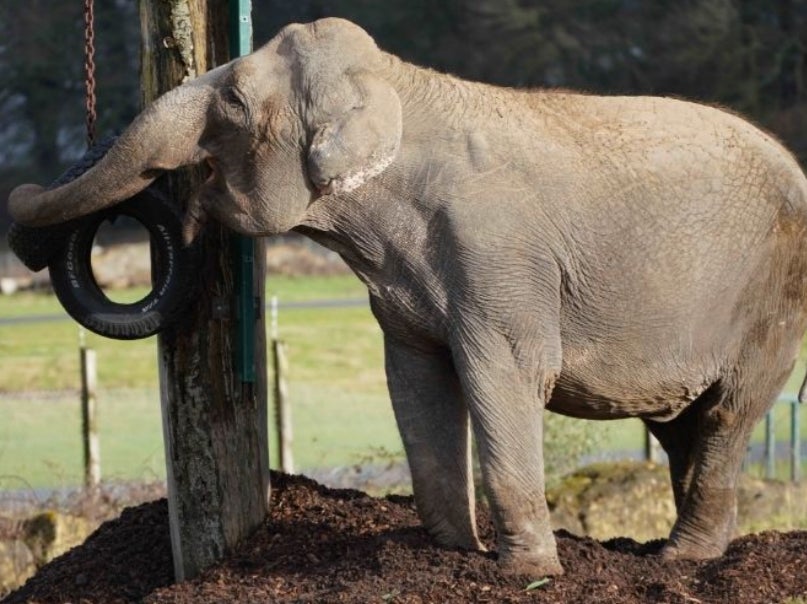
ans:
(607, 500)
(634, 499)
(764, 505)
(16, 565)
(50, 534)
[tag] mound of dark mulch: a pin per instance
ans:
(322, 545)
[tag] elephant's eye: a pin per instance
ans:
(235, 105)
(234, 98)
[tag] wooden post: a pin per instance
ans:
(652, 448)
(89, 422)
(283, 425)
(795, 441)
(770, 446)
(214, 424)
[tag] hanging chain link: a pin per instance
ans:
(89, 69)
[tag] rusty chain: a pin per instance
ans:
(89, 69)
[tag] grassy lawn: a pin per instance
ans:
(40, 438)
(341, 412)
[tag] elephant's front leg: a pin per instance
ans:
(506, 387)
(433, 422)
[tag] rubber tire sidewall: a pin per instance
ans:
(175, 270)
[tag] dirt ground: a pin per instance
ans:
(325, 545)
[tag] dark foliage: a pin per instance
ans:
(749, 55)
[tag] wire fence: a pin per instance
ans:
(779, 449)
(342, 435)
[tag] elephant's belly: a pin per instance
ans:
(634, 379)
(597, 399)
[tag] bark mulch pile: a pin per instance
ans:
(323, 545)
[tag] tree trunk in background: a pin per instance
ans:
(215, 425)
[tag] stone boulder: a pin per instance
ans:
(607, 500)
(27, 544)
(50, 534)
(16, 565)
(634, 499)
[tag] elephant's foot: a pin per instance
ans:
(448, 535)
(704, 526)
(447, 513)
(531, 565)
(531, 554)
(691, 551)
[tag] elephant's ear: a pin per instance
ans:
(358, 142)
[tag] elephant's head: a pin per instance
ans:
(309, 114)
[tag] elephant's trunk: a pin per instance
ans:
(163, 137)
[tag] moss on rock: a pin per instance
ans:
(634, 499)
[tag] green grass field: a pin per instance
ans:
(336, 386)
(341, 413)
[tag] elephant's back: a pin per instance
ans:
(675, 137)
(676, 197)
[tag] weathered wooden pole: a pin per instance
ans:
(795, 441)
(89, 419)
(283, 425)
(770, 446)
(652, 448)
(214, 420)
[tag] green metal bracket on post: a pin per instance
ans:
(244, 252)
(240, 28)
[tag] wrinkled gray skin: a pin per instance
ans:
(599, 257)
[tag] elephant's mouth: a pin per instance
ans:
(216, 198)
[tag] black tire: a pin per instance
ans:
(174, 276)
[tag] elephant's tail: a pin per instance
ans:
(803, 390)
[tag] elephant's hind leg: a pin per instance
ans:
(705, 481)
(434, 425)
(677, 439)
(771, 318)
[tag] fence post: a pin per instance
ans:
(89, 425)
(652, 448)
(770, 446)
(795, 442)
(283, 425)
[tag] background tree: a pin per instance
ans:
(42, 83)
(749, 55)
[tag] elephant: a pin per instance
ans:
(601, 257)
